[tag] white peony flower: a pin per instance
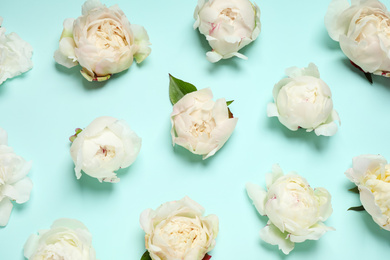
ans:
(15, 55)
(296, 212)
(102, 40)
(228, 25)
(201, 125)
(68, 239)
(178, 230)
(303, 100)
(14, 184)
(103, 147)
(363, 30)
(371, 173)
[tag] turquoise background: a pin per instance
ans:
(41, 109)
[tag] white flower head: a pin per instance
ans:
(178, 230)
(201, 125)
(371, 174)
(303, 100)
(363, 31)
(102, 41)
(103, 147)
(68, 239)
(228, 25)
(296, 212)
(14, 183)
(15, 55)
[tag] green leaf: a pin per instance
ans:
(146, 256)
(179, 88)
(368, 76)
(354, 190)
(229, 102)
(359, 208)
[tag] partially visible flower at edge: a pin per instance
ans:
(363, 31)
(371, 174)
(14, 183)
(15, 55)
(67, 239)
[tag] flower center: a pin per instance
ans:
(381, 173)
(106, 152)
(181, 233)
(379, 19)
(229, 13)
(108, 35)
(200, 128)
(378, 181)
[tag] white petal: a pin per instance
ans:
(145, 220)
(258, 195)
(68, 28)
(276, 173)
(314, 233)
(326, 129)
(3, 137)
(239, 55)
(141, 39)
(20, 191)
(272, 235)
(324, 198)
(272, 110)
(90, 5)
(213, 56)
(5, 211)
(31, 245)
(65, 55)
(368, 201)
(336, 23)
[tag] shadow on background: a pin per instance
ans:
(319, 142)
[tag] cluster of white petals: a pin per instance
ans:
(178, 230)
(371, 174)
(104, 146)
(201, 125)
(68, 239)
(15, 55)
(296, 212)
(102, 41)
(228, 25)
(14, 183)
(303, 100)
(363, 31)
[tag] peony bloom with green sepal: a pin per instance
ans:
(363, 30)
(178, 230)
(371, 174)
(102, 41)
(103, 147)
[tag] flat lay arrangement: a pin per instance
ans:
(179, 155)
